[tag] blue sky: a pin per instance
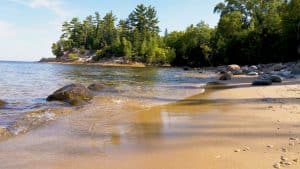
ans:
(28, 27)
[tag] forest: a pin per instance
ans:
(248, 32)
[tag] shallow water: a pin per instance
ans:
(25, 85)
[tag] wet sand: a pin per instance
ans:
(231, 127)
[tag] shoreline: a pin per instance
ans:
(227, 127)
(107, 64)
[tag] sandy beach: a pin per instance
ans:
(229, 126)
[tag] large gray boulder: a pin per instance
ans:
(74, 94)
(96, 87)
(276, 79)
(262, 82)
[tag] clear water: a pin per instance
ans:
(26, 85)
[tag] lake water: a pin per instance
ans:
(26, 85)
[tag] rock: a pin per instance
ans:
(2, 103)
(252, 73)
(278, 67)
(277, 166)
(245, 69)
(276, 79)
(74, 94)
(293, 139)
(282, 158)
(3, 131)
(221, 69)
(238, 72)
(96, 87)
(296, 69)
(226, 76)
(246, 148)
(262, 83)
(233, 68)
(186, 68)
(253, 67)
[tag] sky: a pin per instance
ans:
(29, 27)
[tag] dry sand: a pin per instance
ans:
(233, 127)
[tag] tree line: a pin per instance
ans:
(248, 32)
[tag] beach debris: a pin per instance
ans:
(73, 94)
(262, 82)
(96, 86)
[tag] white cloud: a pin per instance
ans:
(7, 29)
(56, 6)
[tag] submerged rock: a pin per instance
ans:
(96, 87)
(74, 94)
(2, 103)
(262, 82)
(226, 76)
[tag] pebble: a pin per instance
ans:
(246, 148)
(277, 165)
(284, 158)
(288, 163)
(291, 144)
(270, 146)
(237, 150)
(294, 139)
(296, 160)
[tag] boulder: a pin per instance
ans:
(96, 87)
(252, 73)
(262, 82)
(74, 94)
(233, 68)
(276, 79)
(278, 67)
(226, 76)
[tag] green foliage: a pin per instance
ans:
(248, 32)
(73, 57)
(57, 49)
